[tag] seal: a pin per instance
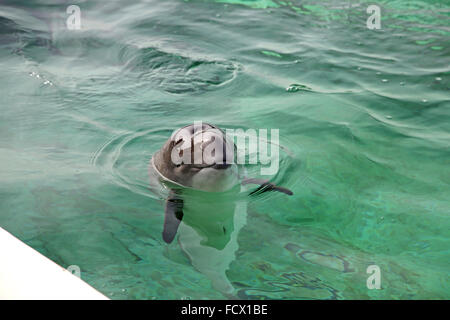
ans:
(197, 165)
(214, 171)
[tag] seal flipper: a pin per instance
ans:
(173, 215)
(266, 185)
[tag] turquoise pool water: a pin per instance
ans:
(363, 117)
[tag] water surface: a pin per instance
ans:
(363, 118)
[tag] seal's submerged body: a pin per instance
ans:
(197, 167)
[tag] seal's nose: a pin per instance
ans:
(221, 166)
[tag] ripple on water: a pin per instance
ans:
(125, 159)
(323, 259)
(178, 74)
(297, 87)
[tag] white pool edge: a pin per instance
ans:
(25, 274)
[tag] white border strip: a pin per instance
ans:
(25, 274)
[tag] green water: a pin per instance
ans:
(363, 117)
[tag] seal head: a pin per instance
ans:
(200, 157)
